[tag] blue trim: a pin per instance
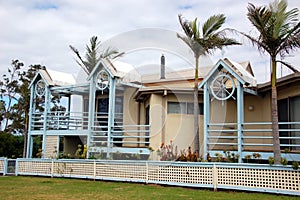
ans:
(206, 118)
(111, 111)
(240, 119)
(225, 66)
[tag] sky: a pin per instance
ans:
(40, 32)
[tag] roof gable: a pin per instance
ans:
(235, 69)
(103, 64)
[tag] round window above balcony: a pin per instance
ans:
(40, 88)
(102, 80)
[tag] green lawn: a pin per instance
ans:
(59, 188)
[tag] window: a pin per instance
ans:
(288, 112)
(183, 108)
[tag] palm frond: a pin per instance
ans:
(186, 26)
(213, 24)
(288, 65)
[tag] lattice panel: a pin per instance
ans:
(259, 178)
(121, 170)
(73, 169)
(51, 146)
(181, 174)
(34, 167)
(1, 166)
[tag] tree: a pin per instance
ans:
(8, 94)
(15, 98)
(278, 34)
(203, 42)
(93, 55)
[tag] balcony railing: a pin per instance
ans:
(254, 134)
(60, 120)
(121, 136)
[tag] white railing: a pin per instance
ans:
(249, 177)
(60, 120)
(121, 135)
(258, 134)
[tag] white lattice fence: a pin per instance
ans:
(263, 178)
(266, 179)
(2, 165)
(180, 173)
(70, 168)
(34, 167)
(116, 170)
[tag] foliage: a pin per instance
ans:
(256, 155)
(202, 42)
(167, 152)
(278, 34)
(93, 54)
(11, 146)
(271, 160)
(81, 152)
(295, 165)
(283, 161)
(228, 157)
(15, 99)
(189, 156)
(39, 154)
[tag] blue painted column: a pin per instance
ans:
(31, 109)
(91, 117)
(47, 109)
(111, 114)
(240, 118)
(206, 118)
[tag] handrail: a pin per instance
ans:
(254, 134)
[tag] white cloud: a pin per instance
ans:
(39, 31)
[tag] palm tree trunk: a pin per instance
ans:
(196, 108)
(274, 110)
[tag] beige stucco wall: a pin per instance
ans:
(177, 127)
(289, 91)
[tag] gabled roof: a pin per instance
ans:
(54, 78)
(107, 65)
(243, 73)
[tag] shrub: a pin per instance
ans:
(167, 152)
(284, 161)
(189, 156)
(295, 165)
(271, 160)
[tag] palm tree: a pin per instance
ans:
(203, 42)
(93, 55)
(278, 34)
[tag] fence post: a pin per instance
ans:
(5, 166)
(52, 168)
(16, 167)
(147, 172)
(95, 170)
(215, 177)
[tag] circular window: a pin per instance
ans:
(220, 87)
(40, 88)
(102, 80)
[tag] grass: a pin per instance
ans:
(22, 187)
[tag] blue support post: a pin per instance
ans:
(111, 114)
(240, 118)
(31, 109)
(91, 112)
(206, 119)
(47, 108)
